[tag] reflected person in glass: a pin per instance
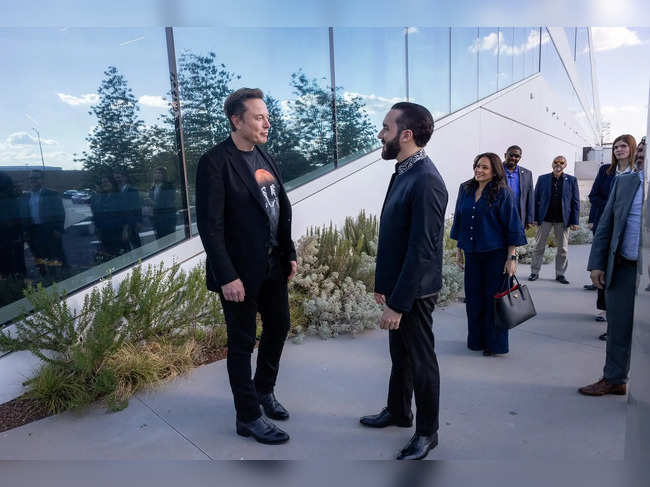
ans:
(488, 230)
(108, 218)
(163, 201)
(12, 220)
(131, 209)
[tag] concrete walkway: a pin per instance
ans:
(523, 405)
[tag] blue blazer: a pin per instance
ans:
(482, 226)
(599, 194)
(411, 231)
(570, 199)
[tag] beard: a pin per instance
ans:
(511, 165)
(391, 149)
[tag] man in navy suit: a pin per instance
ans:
(557, 206)
(408, 276)
(520, 181)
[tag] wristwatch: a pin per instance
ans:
(513, 257)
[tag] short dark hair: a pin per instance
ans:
(234, 104)
(415, 118)
(514, 147)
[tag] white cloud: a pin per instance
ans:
(496, 43)
(25, 138)
(155, 101)
(608, 38)
(87, 99)
(373, 104)
(412, 30)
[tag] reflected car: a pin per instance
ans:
(68, 194)
(81, 197)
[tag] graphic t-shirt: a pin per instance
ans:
(269, 188)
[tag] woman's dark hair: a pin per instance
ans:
(111, 179)
(498, 177)
(631, 142)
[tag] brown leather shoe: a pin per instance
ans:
(603, 387)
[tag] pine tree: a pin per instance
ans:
(114, 141)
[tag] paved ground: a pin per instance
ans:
(523, 405)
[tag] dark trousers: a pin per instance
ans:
(272, 302)
(483, 279)
(620, 317)
(415, 368)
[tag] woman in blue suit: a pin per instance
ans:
(488, 229)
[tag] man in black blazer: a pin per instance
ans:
(557, 206)
(520, 181)
(244, 220)
(409, 276)
(46, 225)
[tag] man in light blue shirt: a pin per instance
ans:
(614, 263)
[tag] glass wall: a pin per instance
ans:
(571, 37)
(583, 64)
(89, 168)
(370, 78)
(488, 60)
(91, 172)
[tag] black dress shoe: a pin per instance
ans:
(600, 318)
(272, 408)
(603, 337)
(418, 447)
(384, 419)
(263, 431)
(590, 287)
(533, 277)
(487, 353)
(562, 279)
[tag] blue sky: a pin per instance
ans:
(59, 70)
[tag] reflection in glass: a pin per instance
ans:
(506, 43)
(571, 37)
(519, 48)
(532, 51)
(487, 47)
(464, 67)
(370, 78)
(429, 69)
(583, 64)
(101, 118)
(291, 66)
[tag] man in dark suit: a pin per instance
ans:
(615, 265)
(520, 181)
(46, 225)
(557, 206)
(409, 276)
(163, 200)
(244, 220)
(131, 211)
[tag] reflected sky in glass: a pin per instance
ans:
(429, 69)
(464, 66)
(488, 60)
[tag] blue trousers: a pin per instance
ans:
(483, 279)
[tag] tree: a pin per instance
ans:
(113, 144)
(356, 132)
(283, 143)
(204, 85)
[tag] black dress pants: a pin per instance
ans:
(272, 302)
(415, 368)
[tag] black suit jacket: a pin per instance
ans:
(232, 222)
(411, 229)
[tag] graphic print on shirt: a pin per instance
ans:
(268, 186)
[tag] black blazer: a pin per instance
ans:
(232, 222)
(599, 194)
(570, 198)
(526, 196)
(411, 229)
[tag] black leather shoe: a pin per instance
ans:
(562, 279)
(263, 431)
(533, 277)
(600, 318)
(418, 447)
(603, 337)
(272, 408)
(590, 287)
(384, 419)
(487, 353)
